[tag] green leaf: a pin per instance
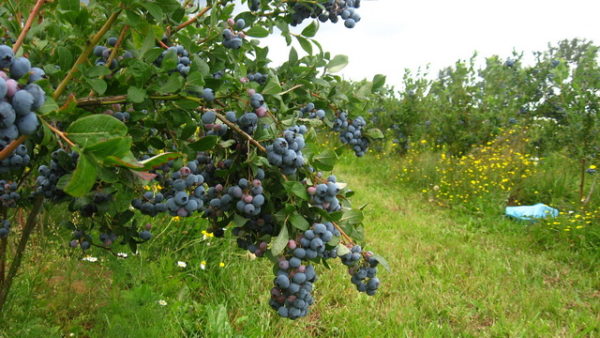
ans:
(118, 146)
(98, 85)
(338, 63)
(258, 32)
(136, 95)
(296, 188)
(310, 30)
(93, 129)
(205, 143)
(48, 106)
(352, 217)
(158, 160)
(83, 177)
(293, 58)
(342, 250)
(69, 5)
(239, 221)
(305, 44)
(97, 71)
(378, 82)
(280, 242)
(173, 84)
(382, 261)
(299, 222)
(153, 9)
(272, 87)
(325, 160)
(374, 133)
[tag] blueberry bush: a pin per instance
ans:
(116, 112)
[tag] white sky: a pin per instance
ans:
(398, 34)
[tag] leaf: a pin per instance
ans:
(153, 9)
(205, 143)
(98, 85)
(239, 221)
(118, 146)
(97, 71)
(293, 58)
(310, 30)
(280, 242)
(299, 222)
(342, 250)
(69, 5)
(158, 160)
(173, 84)
(93, 129)
(136, 95)
(257, 32)
(49, 106)
(325, 160)
(296, 188)
(272, 87)
(338, 63)
(352, 217)
(83, 177)
(382, 261)
(378, 82)
(374, 133)
(305, 44)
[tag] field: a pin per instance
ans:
(162, 175)
(451, 275)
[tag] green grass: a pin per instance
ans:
(452, 274)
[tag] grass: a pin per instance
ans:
(452, 274)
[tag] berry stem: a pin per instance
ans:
(27, 27)
(85, 54)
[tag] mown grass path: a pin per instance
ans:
(448, 280)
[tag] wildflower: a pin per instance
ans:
(221, 265)
(181, 264)
(176, 218)
(121, 255)
(203, 265)
(90, 259)
(162, 302)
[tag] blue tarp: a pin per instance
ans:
(531, 212)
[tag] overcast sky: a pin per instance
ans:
(398, 34)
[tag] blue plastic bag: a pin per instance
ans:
(531, 212)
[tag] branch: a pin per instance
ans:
(32, 15)
(84, 55)
(12, 146)
(346, 237)
(192, 20)
(93, 101)
(241, 132)
(59, 133)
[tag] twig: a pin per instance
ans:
(346, 237)
(113, 52)
(241, 132)
(192, 20)
(85, 54)
(27, 27)
(59, 133)
(289, 90)
(11, 147)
